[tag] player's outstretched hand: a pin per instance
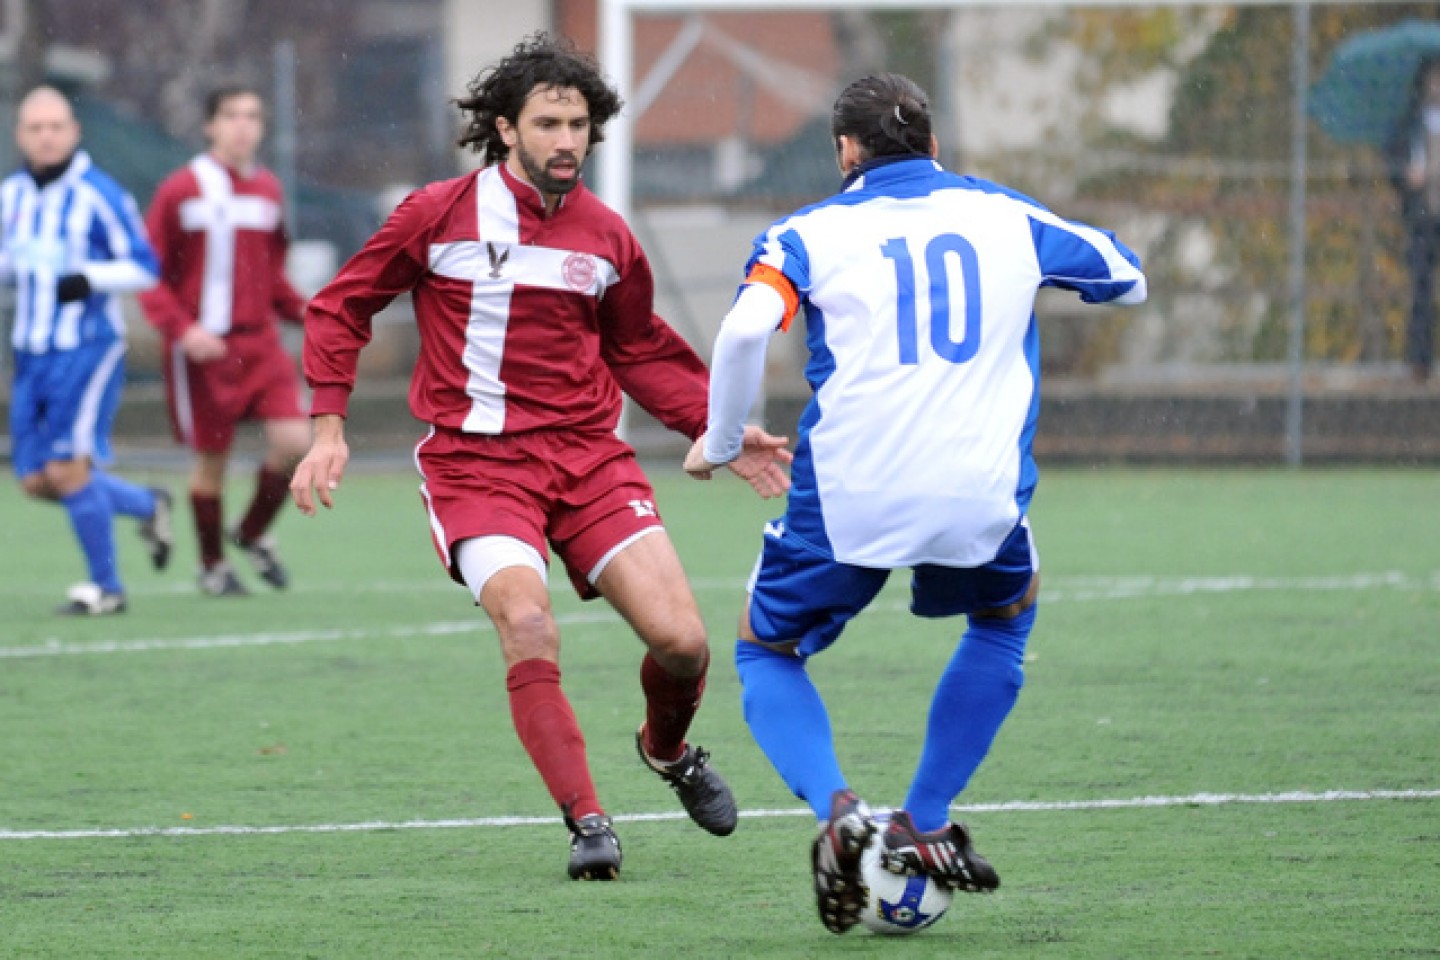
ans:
(318, 475)
(761, 462)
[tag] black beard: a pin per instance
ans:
(541, 178)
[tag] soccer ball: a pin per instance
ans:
(898, 905)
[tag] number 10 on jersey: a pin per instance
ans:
(937, 268)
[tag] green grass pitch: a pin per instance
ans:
(1217, 640)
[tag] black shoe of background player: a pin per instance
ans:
(594, 848)
(265, 558)
(702, 791)
(219, 580)
(158, 531)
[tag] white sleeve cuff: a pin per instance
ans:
(118, 276)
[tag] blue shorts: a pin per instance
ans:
(63, 405)
(797, 594)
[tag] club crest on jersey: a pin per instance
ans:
(579, 271)
(497, 259)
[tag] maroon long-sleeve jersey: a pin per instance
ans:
(527, 320)
(220, 236)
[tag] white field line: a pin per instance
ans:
(55, 648)
(1061, 588)
(1017, 806)
(1071, 590)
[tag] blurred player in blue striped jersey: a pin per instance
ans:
(70, 239)
(916, 288)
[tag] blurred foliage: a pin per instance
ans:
(1220, 176)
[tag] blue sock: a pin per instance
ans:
(93, 522)
(979, 686)
(126, 499)
(788, 720)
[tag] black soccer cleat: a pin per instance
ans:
(265, 558)
(840, 888)
(220, 581)
(702, 791)
(158, 530)
(90, 600)
(594, 848)
(946, 855)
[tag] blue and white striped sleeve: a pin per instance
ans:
(124, 261)
(8, 191)
(1089, 261)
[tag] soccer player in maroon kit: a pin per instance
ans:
(218, 228)
(534, 304)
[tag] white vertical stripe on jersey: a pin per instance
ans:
(219, 213)
(494, 264)
(217, 283)
(115, 235)
(46, 244)
(23, 234)
(497, 218)
(74, 237)
(83, 436)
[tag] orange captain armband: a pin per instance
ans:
(777, 281)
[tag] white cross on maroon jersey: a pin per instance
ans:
(494, 265)
(219, 213)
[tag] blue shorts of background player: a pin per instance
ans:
(63, 405)
(801, 600)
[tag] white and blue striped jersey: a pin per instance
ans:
(917, 289)
(82, 222)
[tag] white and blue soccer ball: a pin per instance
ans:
(898, 905)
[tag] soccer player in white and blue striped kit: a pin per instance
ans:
(70, 239)
(916, 287)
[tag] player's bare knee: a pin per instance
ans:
(64, 477)
(682, 648)
(35, 485)
(527, 631)
(287, 447)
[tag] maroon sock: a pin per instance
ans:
(551, 735)
(271, 489)
(670, 705)
(208, 528)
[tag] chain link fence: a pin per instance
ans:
(1173, 125)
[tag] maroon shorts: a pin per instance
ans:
(582, 493)
(255, 380)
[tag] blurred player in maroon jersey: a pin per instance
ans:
(218, 227)
(535, 309)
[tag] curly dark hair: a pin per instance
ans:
(539, 60)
